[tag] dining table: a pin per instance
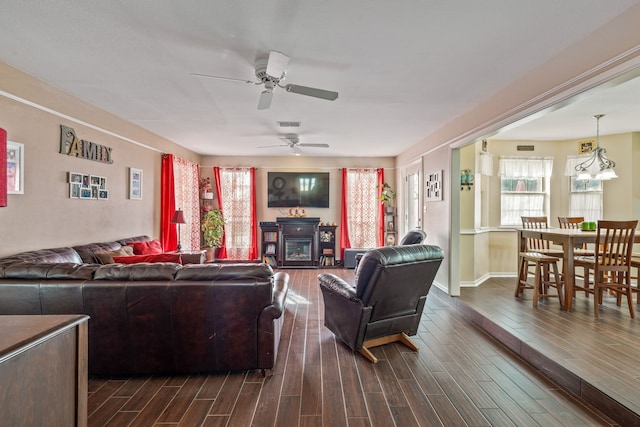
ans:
(568, 239)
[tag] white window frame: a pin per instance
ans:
(514, 204)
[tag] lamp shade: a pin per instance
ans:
(178, 217)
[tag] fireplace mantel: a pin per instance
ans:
(298, 241)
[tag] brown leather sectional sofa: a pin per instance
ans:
(159, 318)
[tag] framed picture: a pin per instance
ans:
(94, 180)
(586, 146)
(94, 191)
(15, 168)
(135, 184)
(74, 190)
(85, 181)
(75, 178)
(433, 187)
(85, 193)
(103, 194)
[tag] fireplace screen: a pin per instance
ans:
(297, 249)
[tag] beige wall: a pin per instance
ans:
(332, 165)
(44, 216)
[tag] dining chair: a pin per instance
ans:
(575, 223)
(539, 256)
(611, 263)
(635, 263)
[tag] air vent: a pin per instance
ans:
(288, 124)
(525, 147)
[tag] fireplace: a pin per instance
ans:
(297, 249)
(298, 242)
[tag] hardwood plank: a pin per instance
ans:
(465, 406)
(379, 412)
(228, 395)
(144, 394)
(419, 403)
(183, 398)
(196, 413)
(244, 408)
(155, 407)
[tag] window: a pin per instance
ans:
(523, 188)
(363, 206)
(185, 181)
(585, 198)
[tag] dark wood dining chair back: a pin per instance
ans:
(612, 267)
(570, 222)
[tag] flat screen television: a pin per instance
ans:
(303, 189)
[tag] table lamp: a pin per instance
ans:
(178, 218)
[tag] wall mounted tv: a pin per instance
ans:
(303, 189)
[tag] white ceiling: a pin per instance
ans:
(402, 68)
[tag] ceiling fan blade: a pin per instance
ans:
(222, 78)
(265, 99)
(277, 64)
(314, 145)
(295, 148)
(311, 91)
(271, 146)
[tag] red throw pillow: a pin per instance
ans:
(146, 248)
(148, 258)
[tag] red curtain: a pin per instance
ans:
(381, 225)
(222, 250)
(168, 235)
(253, 248)
(344, 219)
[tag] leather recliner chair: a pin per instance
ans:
(387, 301)
(413, 237)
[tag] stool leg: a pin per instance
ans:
(522, 276)
(536, 284)
(559, 284)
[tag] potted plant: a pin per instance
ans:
(386, 196)
(212, 226)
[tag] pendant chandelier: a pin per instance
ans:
(597, 166)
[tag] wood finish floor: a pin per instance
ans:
(460, 377)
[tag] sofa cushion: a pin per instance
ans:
(146, 248)
(107, 257)
(88, 252)
(128, 240)
(136, 259)
(239, 271)
(142, 271)
(57, 271)
(44, 255)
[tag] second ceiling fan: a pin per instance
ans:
(270, 72)
(293, 142)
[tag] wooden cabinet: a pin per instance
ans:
(327, 242)
(269, 232)
(43, 370)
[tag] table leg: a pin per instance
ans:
(569, 273)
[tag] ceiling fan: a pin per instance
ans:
(293, 142)
(270, 72)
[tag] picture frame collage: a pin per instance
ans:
(87, 187)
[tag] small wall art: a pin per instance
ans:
(433, 187)
(88, 187)
(135, 184)
(15, 168)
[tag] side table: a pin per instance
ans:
(193, 257)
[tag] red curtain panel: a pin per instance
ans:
(3, 161)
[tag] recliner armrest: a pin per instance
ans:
(338, 286)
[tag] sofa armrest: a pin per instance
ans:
(271, 320)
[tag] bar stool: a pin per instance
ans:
(546, 266)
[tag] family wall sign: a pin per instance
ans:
(71, 145)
